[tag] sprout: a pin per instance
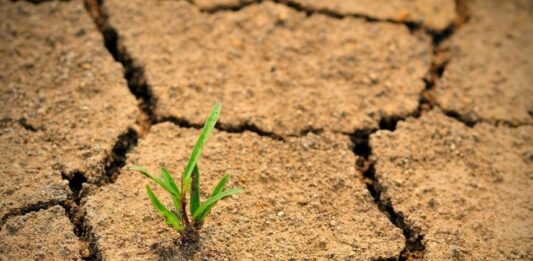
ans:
(178, 218)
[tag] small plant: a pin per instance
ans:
(178, 218)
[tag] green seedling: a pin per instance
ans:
(178, 218)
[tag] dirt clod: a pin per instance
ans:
(43, 235)
(312, 181)
(436, 15)
(488, 77)
(466, 190)
(273, 67)
(27, 181)
(57, 76)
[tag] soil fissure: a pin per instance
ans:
(28, 209)
(138, 85)
(332, 14)
(226, 7)
(441, 58)
(23, 122)
(413, 249)
(133, 73)
(79, 186)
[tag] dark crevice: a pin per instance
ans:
(248, 127)
(82, 230)
(117, 159)
(36, 2)
(75, 183)
(28, 209)
(89, 237)
(413, 249)
(389, 123)
(468, 122)
(133, 73)
(309, 129)
(183, 123)
(80, 187)
(441, 58)
(89, 250)
(227, 7)
(24, 123)
(412, 26)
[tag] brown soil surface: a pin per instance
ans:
(334, 124)
(43, 235)
(27, 179)
(436, 15)
(489, 75)
(468, 190)
(59, 78)
(302, 199)
(273, 67)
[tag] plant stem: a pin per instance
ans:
(185, 217)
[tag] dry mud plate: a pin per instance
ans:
(357, 129)
(303, 198)
(467, 190)
(305, 72)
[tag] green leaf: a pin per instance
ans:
(170, 217)
(195, 189)
(208, 204)
(175, 197)
(169, 180)
(197, 150)
(157, 180)
(220, 186)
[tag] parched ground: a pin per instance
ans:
(359, 130)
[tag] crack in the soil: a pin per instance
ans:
(117, 159)
(77, 182)
(28, 209)
(35, 2)
(23, 122)
(26, 125)
(226, 7)
(413, 248)
(441, 58)
(138, 85)
(183, 123)
(412, 26)
(133, 73)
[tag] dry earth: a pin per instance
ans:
(303, 198)
(489, 74)
(57, 78)
(467, 190)
(436, 15)
(273, 67)
(359, 130)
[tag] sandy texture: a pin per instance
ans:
(26, 177)
(303, 199)
(214, 4)
(273, 67)
(56, 74)
(43, 235)
(489, 75)
(436, 15)
(468, 190)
